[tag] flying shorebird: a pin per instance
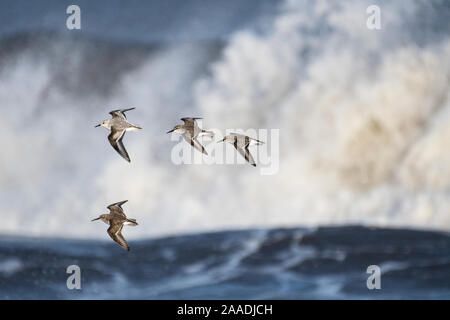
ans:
(190, 131)
(118, 125)
(116, 220)
(241, 143)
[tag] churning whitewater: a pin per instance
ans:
(363, 116)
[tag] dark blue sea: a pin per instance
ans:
(323, 263)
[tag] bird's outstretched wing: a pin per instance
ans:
(117, 212)
(116, 208)
(246, 154)
(115, 139)
(195, 143)
(190, 122)
(241, 143)
(117, 204)
(120, 113)
(115, 232)
(192, 125)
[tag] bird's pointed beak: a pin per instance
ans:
(223, 140)
(170, 131)
(98, 125)
(95, 219)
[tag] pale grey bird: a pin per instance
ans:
(116, 220)
(241, 143)
(118, 125)
(190, 131)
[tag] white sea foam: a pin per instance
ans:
(10, 266)
(364, 119)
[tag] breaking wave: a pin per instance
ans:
(364, 119)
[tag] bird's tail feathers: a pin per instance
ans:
(132, 222)
(255, 142)
(207, 133)
(133, 128)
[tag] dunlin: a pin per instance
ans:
(118, 125)
(190, 131)
(116, 219)
(241, 143)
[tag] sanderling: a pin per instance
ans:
(116, 219)
(118, 125)
(190, 131)
(241, 143)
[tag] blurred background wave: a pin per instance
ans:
(364, 117)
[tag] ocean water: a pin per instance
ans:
(364, 120)
(323, 263)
